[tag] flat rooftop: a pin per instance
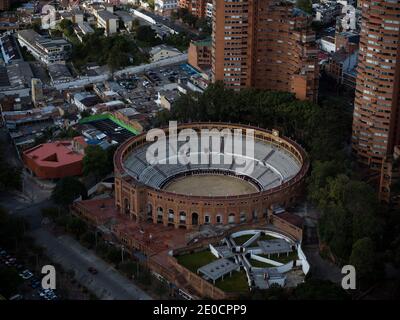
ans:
(53, 154)
(275, 246)
(217, 269)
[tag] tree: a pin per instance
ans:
(9, 280)
(319, 290)
(66, 27)
(160, 288)
(305, 5)
(67, 190)
(77, 226)
(129, 268)
(146, 34)
(89, 239)
(96, 162)
(10, 176)
(135, 25)
(51, 212)
(365, 260)
(113, 255)
(12, 229)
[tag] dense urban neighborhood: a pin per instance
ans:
(314, 84)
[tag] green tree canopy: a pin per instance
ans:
(319, 290)
(10, 281)
(67, 190)
(365, 259)
(97, 162)
(305, 5)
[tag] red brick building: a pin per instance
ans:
(55, 160)
(199, 54)
(195, 7)
(266, 44)
(141, 201)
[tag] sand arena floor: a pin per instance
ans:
(210, 185)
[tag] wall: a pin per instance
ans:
(287, 227)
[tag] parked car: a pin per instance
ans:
(26, 274)
(11, 262)
(93, 270)
(19, 267)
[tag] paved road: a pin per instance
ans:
(158, 64)
(108, 284)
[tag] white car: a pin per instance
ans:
(26, 274)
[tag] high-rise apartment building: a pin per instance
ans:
(266, 44)
(5, 4)
(376, 128)
(197, 8)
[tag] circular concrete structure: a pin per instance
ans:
(215, 191)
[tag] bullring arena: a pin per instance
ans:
(208, 229)
(187, 196)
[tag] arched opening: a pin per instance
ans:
(126, 206)
(160, 215)
(195, 218)
(171, 217)
(149, 212)
(182, 218)
(231, 218)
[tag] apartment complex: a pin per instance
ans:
(266, 44)
(376, 120)
(197, 8)
(5, 4)
(48, 50)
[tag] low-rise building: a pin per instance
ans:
(9, 49)
(163, 52)
(85, 100)
(341, 62)
(108, 21)
(326, 12)
(126, 18)
(54, 160)
(59, 73)
(15, 76)
(75, 16)
(43, 48)
(328, 44)
(165, 7)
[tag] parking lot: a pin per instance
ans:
(157, 77)
(32, 283)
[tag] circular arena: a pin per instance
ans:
(221, 184)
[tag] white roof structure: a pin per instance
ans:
(275, 246)
(218, 269)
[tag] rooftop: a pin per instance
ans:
(54, 154)
(218, 268)
(275, 246)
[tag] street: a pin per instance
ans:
(108, 284)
